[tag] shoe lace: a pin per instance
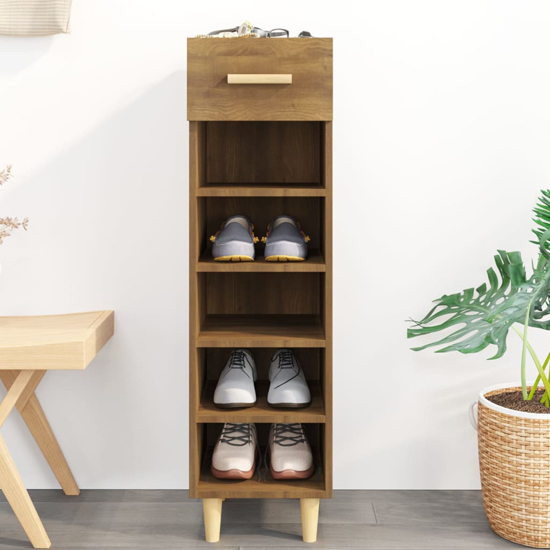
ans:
(237, 435)
(238, 360)
(288, 435)
(286, 361)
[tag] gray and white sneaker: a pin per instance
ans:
(288, 386)
(235, 452)
(235, 388)
(285, 241)
(291, 456)
(235, 240)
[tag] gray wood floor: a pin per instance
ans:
(166, 520)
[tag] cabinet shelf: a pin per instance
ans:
(262, 331)
(314, 263)
(210, 487)
(252, 488)
(271, 190)
(261, 412)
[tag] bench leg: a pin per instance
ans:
(212, 508)
(309, 508)
(20, 388)
(40, 428)
(20, 501)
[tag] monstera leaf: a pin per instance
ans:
(542, 216)
(475, 319)
(483, 316)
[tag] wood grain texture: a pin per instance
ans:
(210, 97)
(257, 293)
(272, 190)
(28, 392)
(212, 508)
(261, 412)
(40, 429)
(196, 174)
(259, 79)
(53, 342)
(327, 301)
(309, 508)
(268, 331)
(20, 501)
(14, 393)
(260, 151)
(263, 153)
(315, 263)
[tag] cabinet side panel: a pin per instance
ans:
(327, 299)
(196, 172)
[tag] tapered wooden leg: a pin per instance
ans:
(20, 501)
(212, 508)
(309, 508)
(40, 428)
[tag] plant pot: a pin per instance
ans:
(514, 461)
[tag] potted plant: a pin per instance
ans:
(513, 421)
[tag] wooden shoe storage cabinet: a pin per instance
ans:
(260, 143)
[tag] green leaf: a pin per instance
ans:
(542, 215)
(482, 317)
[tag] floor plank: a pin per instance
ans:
(166, 520)
(440, 508)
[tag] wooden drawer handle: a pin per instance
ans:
(259, 79)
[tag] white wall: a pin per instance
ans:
(441, 145)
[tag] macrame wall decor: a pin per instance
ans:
(34, 17)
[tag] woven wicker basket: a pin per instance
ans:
(514, 459)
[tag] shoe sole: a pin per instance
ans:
(234, 258)
(292, 474)
(233, 474)
(284, 258)
(289, 405)
(235, 405)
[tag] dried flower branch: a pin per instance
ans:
(5, 175)
(8, 225)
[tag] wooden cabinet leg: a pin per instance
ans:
(212, 508)
(309, 508)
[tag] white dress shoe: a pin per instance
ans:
(288, 386)
(235, 452)
(235, 386)
(290, 453)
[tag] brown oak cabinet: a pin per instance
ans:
(260, 144)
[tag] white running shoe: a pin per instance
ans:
(288, 386)
(235, 452)
(290, 453)
(235, 388)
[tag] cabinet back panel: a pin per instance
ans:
(263, 152)
(260, 293)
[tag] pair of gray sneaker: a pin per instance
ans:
(234, 242)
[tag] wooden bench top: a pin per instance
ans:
(59, 342)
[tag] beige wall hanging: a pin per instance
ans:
(34, 17)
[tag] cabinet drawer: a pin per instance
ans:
(259, 79)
